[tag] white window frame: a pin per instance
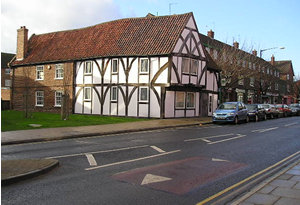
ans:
(86, 71)
(147, 68)
(112, 66)
(56, 93)
(7, 71)
(140, 94)
(192, 66)
(188, 65)
(7, 83)
(183, 105)
(39, 102)
(194, 102)
(59, 71)
(112, 97)
(90, 95)
(39, 72)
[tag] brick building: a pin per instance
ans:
(6, 77)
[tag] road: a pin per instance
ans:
(170, 166)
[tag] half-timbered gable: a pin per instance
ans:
(139, 67)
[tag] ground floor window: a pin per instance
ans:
(39, 98)
(114, 93)
(190, 100)
(58, 98)
(143, 94)
(87, 94)
(180, 100)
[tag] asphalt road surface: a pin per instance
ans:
(170, 166)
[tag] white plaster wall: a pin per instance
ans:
(169, 104)
(79, 76)
(107, 73)
(114, 108)
(132, 107)
(178, 46)
(143, 78)
(114, 78)
(78, 103)
(154, 106)
(106, 102)
(185, 79)
(153, 67)
(96, 73)
(122, 78)
(121, 102)
(143, 110)
(96, 106)
(210, 81)
(87, 107)
(184, 33)
(163, 77)
(190, 113)
(133, 74)
(179, 113)
(88, 79)
(191, 24)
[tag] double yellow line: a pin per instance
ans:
(245, 180)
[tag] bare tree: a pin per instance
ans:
(27, 101)
(65, 101)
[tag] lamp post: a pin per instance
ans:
(260, 55)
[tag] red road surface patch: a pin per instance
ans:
(185, 174)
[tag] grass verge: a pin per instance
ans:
(15, 120)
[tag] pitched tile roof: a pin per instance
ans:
(125, 37)
(284, 66)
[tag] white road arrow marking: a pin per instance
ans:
(287, 125)
(218, 160)
(157, 149)
(150, 178)
(91, 159)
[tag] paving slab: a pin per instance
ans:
(286, 192)
(283, 183)
(287, 201)
(262, 199)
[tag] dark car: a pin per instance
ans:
(286, 111)
(256, 112)
(295, 109)
(231, 112)
(271, 111)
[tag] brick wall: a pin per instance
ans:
(26, 84)
(5, 91)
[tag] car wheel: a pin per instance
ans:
(256, 118)
(247, 119)
(236, 120)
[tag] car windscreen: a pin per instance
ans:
(278, 106)
(251, 107)
(266, 106)
(227, 106)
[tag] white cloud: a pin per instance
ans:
(42, 16)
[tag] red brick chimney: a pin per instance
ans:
(254, 52)
(211, 34)
(273, 60)
(22, 40)
(236, 44)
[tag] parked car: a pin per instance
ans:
(284, 109)
(256, 112)
(231, 112)
(271, 111)
(295, 109)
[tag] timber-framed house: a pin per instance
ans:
(153, 67)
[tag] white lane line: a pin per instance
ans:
(205, 140)
(209, 137)
(157, 149)
(103, 151)
(232, 138)
(91, 159)
(269, 129)
(287, 125)
(265, 130)
(132, 160)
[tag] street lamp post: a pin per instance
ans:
(260, 55)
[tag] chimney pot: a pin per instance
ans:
(254, 52)
(22, 40)
(273, 60)
(211, 34)
(236, 44)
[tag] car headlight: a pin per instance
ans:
(214, 114)
(231, 113)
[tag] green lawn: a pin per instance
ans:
(15, 120)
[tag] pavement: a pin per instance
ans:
(282, 188)
(16, 170)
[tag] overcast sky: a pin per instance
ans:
(255, 24)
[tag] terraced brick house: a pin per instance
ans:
(244, 76)
(153, 67)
